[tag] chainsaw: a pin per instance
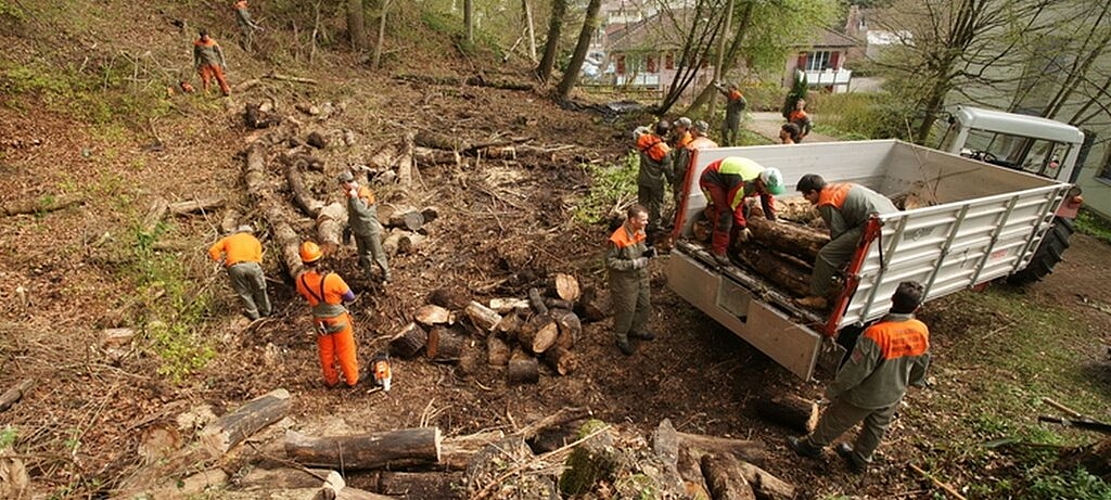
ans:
(381, 369)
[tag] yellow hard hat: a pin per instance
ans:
(310, 252)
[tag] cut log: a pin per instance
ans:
(588, 308)
(287, 240)
(408, 175)
(438, 485)
(411, 220)
(13, 395)
(336, 488)
(537, 301)
(456, 451)
(409, 341)
(47, 203)
(749, 451)
(302, 198)
(444, 344)
(538, 334)
(766, 486)
(722, 473)
(523, 368)
(400, 448)
(795, 209)
(789, 411)
(564, 286)
(410, 242)
(788, 272)
(222, 434)
(570, 328)
(284, 478)
(554, 303)
(506, 305)
(509, 325)
(497, 351)
(329, 226)
(453, 299)
(199, 205)
(391, 244)
(562, 360)
(665, 444)
(690, 469)
(432, 314)
(483, 317)
(788, 237)
(430, 214)
(435, 140)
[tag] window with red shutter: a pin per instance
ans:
(651, 64)
(669, 61)
(621, 65)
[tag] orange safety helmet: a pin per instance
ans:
(310, 252)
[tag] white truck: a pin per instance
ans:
(986, 223)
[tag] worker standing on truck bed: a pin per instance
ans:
(727, 182)
(845, 208)
(627, 263)
(888, 356)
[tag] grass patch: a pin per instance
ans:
(857, 116)
(1093, 225)
(1010, 355)
(613, 185)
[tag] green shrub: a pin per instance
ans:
(612, 186)
(860, 116)
(1077, 484)
(1093, 225)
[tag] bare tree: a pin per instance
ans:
(356, 25)
(571, 76)
(551, 47)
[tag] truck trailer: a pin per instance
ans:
(985, 222)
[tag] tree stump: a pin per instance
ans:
(409, 341)
(523, 369)
(591, 461)
(399, 448)
(792, 412)
(444, 344)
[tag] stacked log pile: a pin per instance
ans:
(519, 334)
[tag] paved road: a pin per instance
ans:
(767, 124)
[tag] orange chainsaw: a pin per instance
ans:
(381, 368)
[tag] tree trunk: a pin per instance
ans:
(377, 61)
(665, 444)
(457, 451)
(789, 273)
(765, 485)
(690, 469)
(329, 226)
(792, 412)
(523, 369)
(468, 19)
(723, 474)
(589, 462)
(254, 177)
(497, 351)
(531, 30)
(202, 205)
(571, 77)
(301, 197)
(42, 204)
(551, 46)
(356, 25)
(222, 434)
(409, 341)
(399, 448)
(787, 237)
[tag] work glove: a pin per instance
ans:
(744, 235)
(640, 263)
(651, 253)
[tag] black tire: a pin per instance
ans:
(1049, 253)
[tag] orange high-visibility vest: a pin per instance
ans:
(653, 146)
(621, 238)
(900, 339)
(238, 247)
(834, 195)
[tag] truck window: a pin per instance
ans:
(1037, 156)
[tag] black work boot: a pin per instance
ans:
(645, 335)
(856, 464)
(802, 447)
(625, 346)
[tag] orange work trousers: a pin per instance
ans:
(208, 71)
(339, 346)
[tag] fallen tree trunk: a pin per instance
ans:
(42, 204)
(301, 196)
(254, 177)
(329, 226)
(790, 238)
(749, 451)
(222, 434)
(722, 473)
(457, 451)
(155, 213)
(792, 412)
(400, 448)
(765, 485)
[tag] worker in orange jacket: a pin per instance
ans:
(735, 104)
(655, 168)
(684, 155)
(801, 119)
(208, 58)
(327, 295)
(241, 254)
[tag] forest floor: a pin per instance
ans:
(505, 225)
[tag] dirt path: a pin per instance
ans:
(767, 124)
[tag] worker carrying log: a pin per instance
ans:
(845, 208)
(362, 219)
(241, 255)
(209, 61)
(627, 263)
(655, 168)
(888, 357)
(726, 183)
(327, 295)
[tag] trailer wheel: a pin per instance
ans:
(1049, 253)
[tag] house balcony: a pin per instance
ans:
(837, 78)
(639, 80)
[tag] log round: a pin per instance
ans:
(409, 341)
(523, 369)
